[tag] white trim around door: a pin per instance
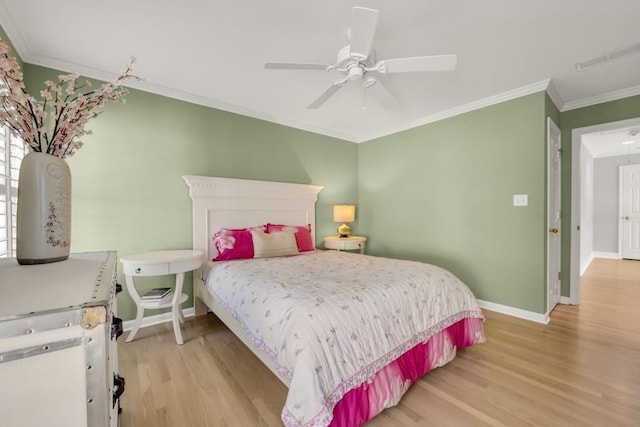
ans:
(554, 201)
(629, 212)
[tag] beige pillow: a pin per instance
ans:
(276, 244)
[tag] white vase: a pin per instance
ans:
(44, 209)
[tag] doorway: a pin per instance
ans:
(582, 176)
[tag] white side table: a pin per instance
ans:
(345, 243)
(160, 263)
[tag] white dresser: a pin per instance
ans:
(58, 351)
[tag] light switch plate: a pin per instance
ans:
(520, 200)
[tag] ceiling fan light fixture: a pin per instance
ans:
(609, 56)
(356, 73)
(358, 61)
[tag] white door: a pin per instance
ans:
(630, 211)
(553, 215)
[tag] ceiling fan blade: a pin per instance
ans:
(363, 27)
(381, 94)
(331, 90)
(418, 63)
(295, 66)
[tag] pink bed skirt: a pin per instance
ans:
(389, 384)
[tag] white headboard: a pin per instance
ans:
(239, 203)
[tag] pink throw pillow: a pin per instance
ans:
(302, 233)
(234, 243)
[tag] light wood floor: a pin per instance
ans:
(582, 369)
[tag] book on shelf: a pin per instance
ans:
(156, 294)
(164, 300)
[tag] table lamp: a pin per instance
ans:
(344, 214)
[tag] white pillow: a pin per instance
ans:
(275, 244)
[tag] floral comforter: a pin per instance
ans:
(330, 320)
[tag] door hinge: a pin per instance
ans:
(559, 276)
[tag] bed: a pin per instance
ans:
(347, 333)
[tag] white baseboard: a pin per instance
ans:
(565, 301)
(157, 319)
(608, 255)
(515, 312)
(596, 254)
(585, 264)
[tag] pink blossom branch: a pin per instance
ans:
(26, 116)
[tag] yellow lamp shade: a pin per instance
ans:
(344, 213)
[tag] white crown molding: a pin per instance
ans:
(599, 99)
(243, 111)
(465, 108)
(555, 96)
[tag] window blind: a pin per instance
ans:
(11, 155)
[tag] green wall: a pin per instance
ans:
(443, 193)
(613, 111)
(128, 192)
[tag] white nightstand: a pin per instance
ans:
(345, 243)
(160, 263)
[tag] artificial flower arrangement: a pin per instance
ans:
(55, 124)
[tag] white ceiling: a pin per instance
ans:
(212, 53)
(617, 142)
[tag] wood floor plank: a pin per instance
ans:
(580, 369)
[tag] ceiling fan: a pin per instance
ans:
(357, 61)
